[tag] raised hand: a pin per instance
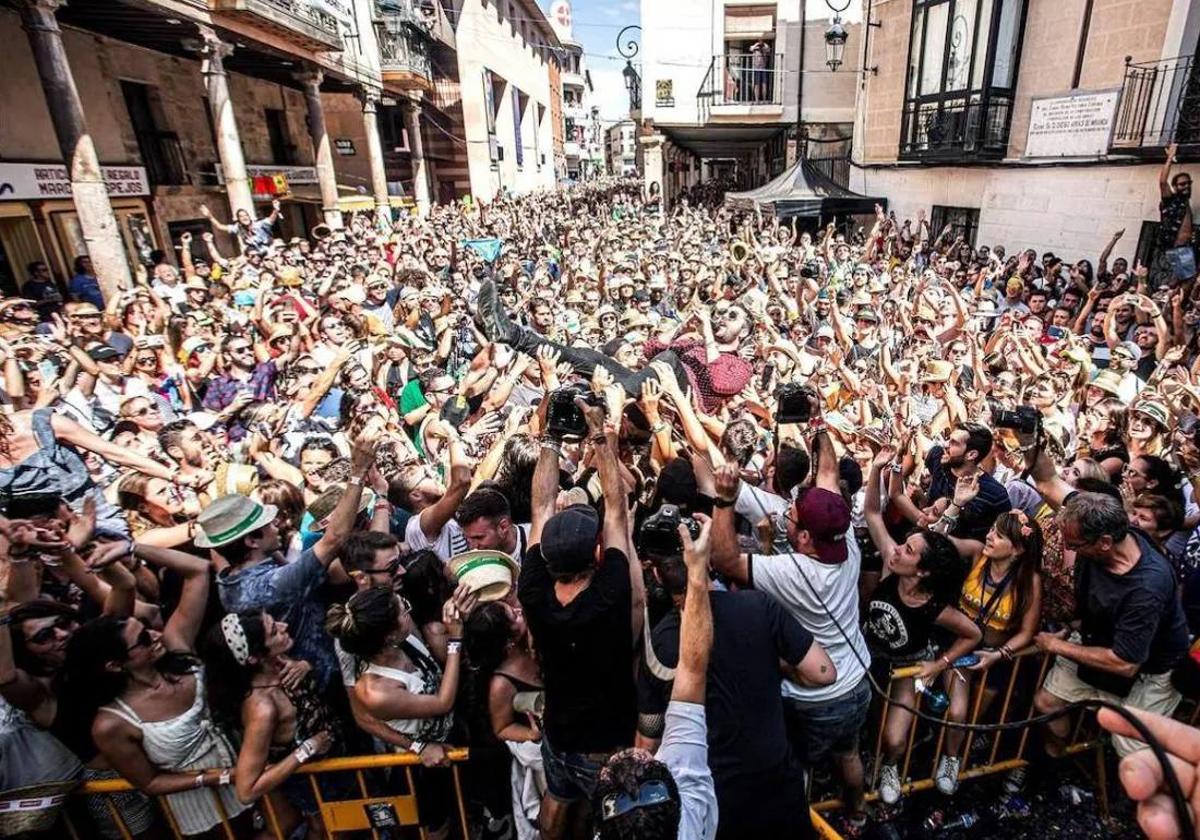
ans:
(966, 488)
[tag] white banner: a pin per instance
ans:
(22, 181)
(1078, 125)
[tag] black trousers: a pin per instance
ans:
(584, 361)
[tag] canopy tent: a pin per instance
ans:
(803, 191)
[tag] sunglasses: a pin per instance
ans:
(390, 571)
(146, 360)
(306, 369)
(144, 639)
(47, 634)
(142, 412)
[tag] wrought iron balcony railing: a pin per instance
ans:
(402, 50)
(744, 79)
(972, 127)
(1159, 105)
(298, 21)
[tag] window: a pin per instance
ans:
(963, 221)
(283, 151)
(159, 149)
(962, 74)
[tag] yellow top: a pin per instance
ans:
(977, 592)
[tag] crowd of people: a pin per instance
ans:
(632, 501)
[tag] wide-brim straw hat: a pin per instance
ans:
(487, 573)
(230, 518)
(230, 479)
(33, 808)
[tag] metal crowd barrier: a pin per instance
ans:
(1003, 755)
(340, 815)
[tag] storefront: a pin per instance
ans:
(38, 220)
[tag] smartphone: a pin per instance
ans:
(1057, 333)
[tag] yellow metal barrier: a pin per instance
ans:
(337, 815)
(998, 761)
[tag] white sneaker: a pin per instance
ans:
(946, 776)
(1014, 782)
(889, 784)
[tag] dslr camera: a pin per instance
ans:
(795, 403)
(660, 531)
(1025, 419)
(564, 419)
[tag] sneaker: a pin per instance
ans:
(946, 776)
(1014, 782)
(889, 784)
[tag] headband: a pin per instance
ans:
(235, 638)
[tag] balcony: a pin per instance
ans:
(403, 53)
(1159, 105)
(742, 85)
(425, 17)
(297, 21)
(973, 127)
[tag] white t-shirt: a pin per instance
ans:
(791, 579)
(446, 544)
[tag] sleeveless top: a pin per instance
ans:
(188, 743)
(58, 469)
(427, 679)
(894, 629)
(989, 600)
(312, 716)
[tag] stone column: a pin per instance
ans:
(379, 187)
(88, 190)
(651, 146)
(229, 144)
(416, 147)
(322, 150)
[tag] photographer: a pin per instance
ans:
(760, 786)
(582, 591)
(817, 583)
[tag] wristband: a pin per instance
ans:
(658, 427)
(199, 780)
(303, 753)
(599, 439)
(416, 747)
(225, 778)
(453, 646)
(354, 481)
(897, 467)
(723, 503)
(946, 659)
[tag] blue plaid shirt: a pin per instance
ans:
(288, 591)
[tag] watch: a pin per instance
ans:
(724, 503)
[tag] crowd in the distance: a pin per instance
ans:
(626, 500)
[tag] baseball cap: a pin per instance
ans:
(569, 539)
(103, 353)
(826, 517)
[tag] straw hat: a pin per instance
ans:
(230, 518)
(231, 479)
(1107, 381)
(936, 370)
(289, 276)
(1155, 409)
(33, 808)
(489, 574)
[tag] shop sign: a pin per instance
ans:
(291, 174)
(344, 146)
(1078, 125)
(25, 181)
(664, 95)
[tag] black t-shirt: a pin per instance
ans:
(1138, 614)
(586, 648)
(893, 629)
(975, 520)
(751, 633)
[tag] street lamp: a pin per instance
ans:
(633, 82)
(835, 37)
(835, 44)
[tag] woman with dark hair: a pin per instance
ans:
(428, 586)
(1102, 429)
(288, 499)
(401, 684)
(256, 687)
(918, 595)
(507, 689)
(144, 692)
(514, 478)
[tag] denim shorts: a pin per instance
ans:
(1183, 262)
(817, 730)
(570, 776)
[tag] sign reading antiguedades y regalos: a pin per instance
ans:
(26, 181)
(1077, 125)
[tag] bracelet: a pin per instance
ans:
(303, 753)
(416, 747)
(354, 481)
(225, 778)
(946, 659)
(453, 646)
(199, 780)
(658, 427)
(724, 503)
(599, 440)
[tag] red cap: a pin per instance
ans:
(826, 517)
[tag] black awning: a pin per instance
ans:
(803, 191)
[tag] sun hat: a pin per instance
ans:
(350, 294)
(230, 518)
(487, 573)
(1107, 381)
(1155, 409)
(194, 282)
(936, 370)
(230, 479)
(192, 344)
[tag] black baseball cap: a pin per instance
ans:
(569, 539)
(103, 353)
